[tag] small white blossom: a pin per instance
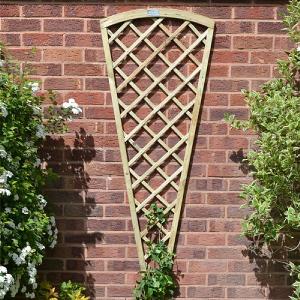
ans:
(3, 269)
(298, 48)
(25, 210)
(54, 242)
(36, 110)
(34, 86)
(37, 163)
(5, 192)
(3, 110)
(7, 210)
(2, 62)
(71, 104)
(40, 132)
(16, 197)
(23, 290)
(3, 153)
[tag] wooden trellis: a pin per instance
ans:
(156, 62)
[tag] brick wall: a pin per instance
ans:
(96, 242)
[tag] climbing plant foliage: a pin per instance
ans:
(158, 281)
(273, 197)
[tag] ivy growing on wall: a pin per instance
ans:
(273, 197)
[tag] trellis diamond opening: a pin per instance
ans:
(157, 61)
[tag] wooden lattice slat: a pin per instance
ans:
(155, 141)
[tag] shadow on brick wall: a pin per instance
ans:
(66, 195)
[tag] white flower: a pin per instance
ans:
(7, 209)
(3, 110)
(76, 110)
(3, 269)
(5, 192)
(34, 86)
(2, 62)
(40, 132)
(54, 242)
(16, 197)
(36, 110)
(25, 210)
(9, 174)
(37, 163)
(71, 104)
(298, 48)
(42, 200)
(3, 153)
(23, 290)
(40, 246)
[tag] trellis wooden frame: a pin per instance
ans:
(125, 19)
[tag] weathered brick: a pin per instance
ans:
(42, 10)
(206, 292)
(42, 39)
(83, 40)
(270, 28)
(9, 10)
(252, 42)
(20, 25)
(86, 11)
(63, 84)
(255, 12)
(63, 25)
(63, 55)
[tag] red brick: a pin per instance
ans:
(42, 10)
(217, 114)
(25, 54)
(92, 55)
(251, 71)
(283, 43)
(207, 266)
(117, 265)
(224, 198)
(105, 252)
(252, 42)
(42, 39)
(63, 84)
(224, 226)
(9, 10)
(205, 292)
(227, 85)
(247, 292)
(104, 197)
(117, 211)
(192, 279)
(234, 27)
(63, 25)
(271, 28)
(86, 98)
(225, 253)
(85, 11)
(222, 42)
(217, 12)
(83, 40)
(20, 25)
(97, 84)
(218, 71)
(190, 252)
(266, 57)
(224, 171)
(105, 113)
(230, 56)
(10, 39)
(84, 69)
(93, 26)
(254, 12)
(119, 291)
(205, 239)
(106, 278)
(226, 280)
(44, 69)
(63, 55)
(105, 225)
(204, 212)
(228, 143)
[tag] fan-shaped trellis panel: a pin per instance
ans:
(157, 61)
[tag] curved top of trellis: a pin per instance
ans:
(158, 12)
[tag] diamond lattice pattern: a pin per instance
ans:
(156, 64)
